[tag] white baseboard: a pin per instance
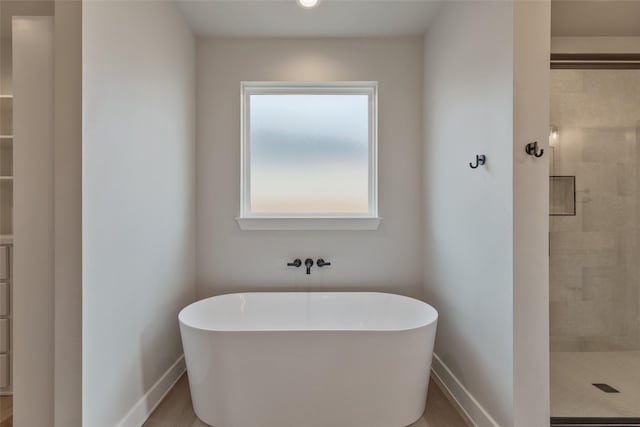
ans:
(152, 398)
(467, 404)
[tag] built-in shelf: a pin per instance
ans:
(6, 231)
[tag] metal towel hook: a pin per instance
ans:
(480, 160)
(532, 149)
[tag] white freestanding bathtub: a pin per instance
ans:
(293, 359)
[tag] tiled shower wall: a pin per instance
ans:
(595, 255)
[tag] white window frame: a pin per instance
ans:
(308, 221)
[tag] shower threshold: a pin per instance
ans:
(595, 421)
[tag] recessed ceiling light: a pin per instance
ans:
(308, 4)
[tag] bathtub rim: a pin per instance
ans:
(432, 322)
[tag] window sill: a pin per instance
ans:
(309, 224)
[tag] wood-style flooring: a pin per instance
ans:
(176, 410)
(6, 411)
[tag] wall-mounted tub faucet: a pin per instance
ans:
(308, 263)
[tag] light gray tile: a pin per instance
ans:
(595, 256)
(599, 283)
(605, 145)
(567, 81)
(605, 212)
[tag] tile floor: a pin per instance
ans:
(572, 376)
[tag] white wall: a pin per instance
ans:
(68, 213)
(33, 285)
(233, 260)
(138, 199)
(476, 263)
(468, 214)
(531, 83)
(53, 199)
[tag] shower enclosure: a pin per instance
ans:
(595, 243)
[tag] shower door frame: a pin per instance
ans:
(595, 61)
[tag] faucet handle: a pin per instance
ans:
(321, 262)
(296, 263)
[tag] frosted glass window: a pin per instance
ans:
(309, 151)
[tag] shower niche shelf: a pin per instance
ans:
(562, 195)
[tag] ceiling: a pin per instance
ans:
(332, 18)
(385, 18)
(356, 18)
(617, 18)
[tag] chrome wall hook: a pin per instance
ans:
(532, 149)
(480, 160)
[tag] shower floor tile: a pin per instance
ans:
(574, 373)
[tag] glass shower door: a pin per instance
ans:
(595, 245)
